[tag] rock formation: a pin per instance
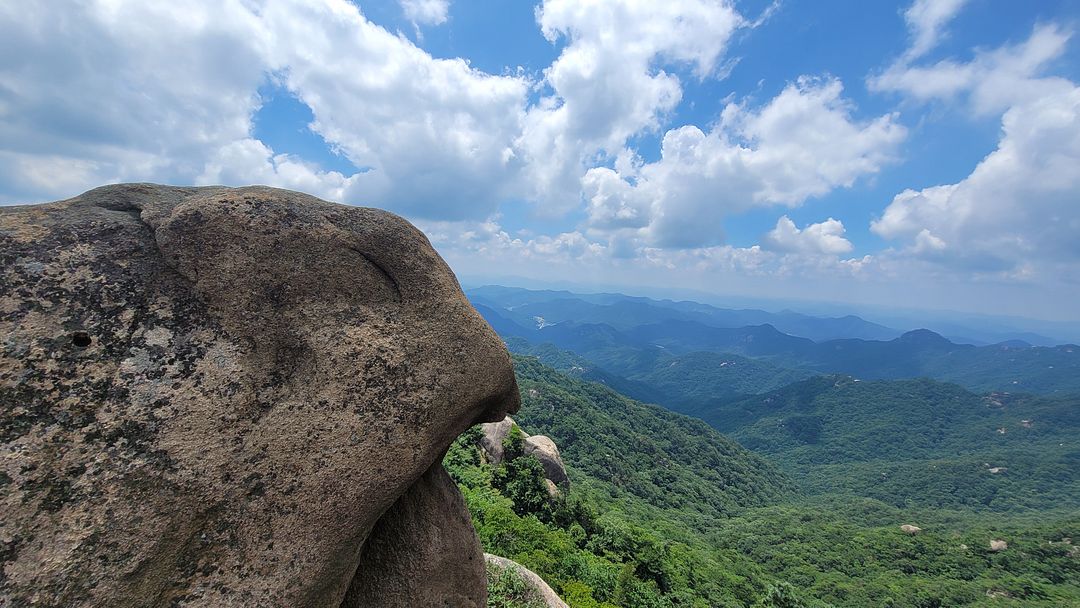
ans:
(494, 433)
(538, 446)
(911, 530)
(541, 590)
(545, 450)
(997, 545)
(234, 397)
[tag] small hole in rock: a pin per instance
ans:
(80, 339)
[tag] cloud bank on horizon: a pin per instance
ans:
(641, 146)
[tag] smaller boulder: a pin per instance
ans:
(910, 530)
(545, 450)
(494, 435)
(997, 545)
(539, 590)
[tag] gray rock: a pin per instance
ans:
(494, 433)
(545, 450)
(542, 591)
(210, 397)
(422, 552)
(538, 446)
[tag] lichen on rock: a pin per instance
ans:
(212, 396)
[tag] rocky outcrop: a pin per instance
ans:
(911, 530)
(493, 434)
(541, 590)
(415, 555)
(234, 397)
(997, 545)
(545, 450)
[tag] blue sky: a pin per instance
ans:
(918, 154)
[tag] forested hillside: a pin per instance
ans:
(668, 460)
(679, 382)
(663, 512)
(915, 442)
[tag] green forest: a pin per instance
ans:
(663, 510)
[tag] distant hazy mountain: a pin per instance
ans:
(640, 337)
(536, 308)
(819, 321)
(923, 353)
(654, 375)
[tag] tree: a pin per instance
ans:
(780, 595)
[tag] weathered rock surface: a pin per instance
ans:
(233, 397)
(545, 450)
(997, 545)
(494, 433)
(911, 530)
(541, 589)
(415, 552)
(538, 446)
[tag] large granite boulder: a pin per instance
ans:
(234, 397)
(544, 449)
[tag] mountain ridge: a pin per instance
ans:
(916, 353)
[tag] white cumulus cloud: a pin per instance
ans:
(425, 12)
(992, 82)
(433, 136)
(803, 143)
(96, 92)
(822, 238)
(609, 83)
(1017, 214)
(1020, 204)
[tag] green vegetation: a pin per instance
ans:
(506, 589)
(915, 442)
(667, 460)
(705, 376)
(594, 553)
(851, 552)
(663, 511)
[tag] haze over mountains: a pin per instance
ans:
(815, 321)
(749, 351)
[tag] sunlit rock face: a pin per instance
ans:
(494, 434)
(234, 397)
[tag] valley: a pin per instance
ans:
(783, 469)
